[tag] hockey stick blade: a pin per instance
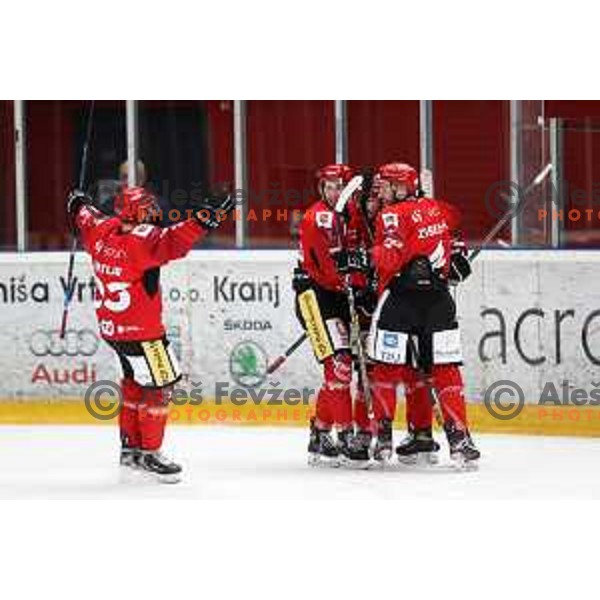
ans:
(354, 184)
(542, 175)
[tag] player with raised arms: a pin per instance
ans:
(127, 252)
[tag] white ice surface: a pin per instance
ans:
(270, 463)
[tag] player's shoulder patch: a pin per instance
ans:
(89, 216)
(324, 219)
(143, 230)
(389, 219)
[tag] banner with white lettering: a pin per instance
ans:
(532, 317)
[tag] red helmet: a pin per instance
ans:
(136, 205)
(400, 173)
(338, 173)
(329, 172)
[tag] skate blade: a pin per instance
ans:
(421, 459)
(170, 479)
(132, 474)
(383, 456)
(156, 477)
(382, 462)
(358, 465)
(459, 463)
(128, 473)
(318, 460)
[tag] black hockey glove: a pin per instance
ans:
(356, 261)
(214, 212)
(368, 174)
(460, 267)
(75, 201)
(301, 281)
(366, 301)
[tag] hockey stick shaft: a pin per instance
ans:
(353, 185)
(539, 178)
(283, 357)
(70, 287)
(356, 342)
(355, 337)
(86, 146)
(427, 379)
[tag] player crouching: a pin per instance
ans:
(414, 336)
(127, 251)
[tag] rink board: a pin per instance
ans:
(532, 420)
(528, 317)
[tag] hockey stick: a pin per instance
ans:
(356, 341)
(70, 288)
(427, 379)
(283, 357)
(474, 254)
(353, 185)
(539, 178)
(519, 205)
(367, 185)
(355, 337)
(345, 195)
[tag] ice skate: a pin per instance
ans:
(383, 444)
(157, 465)
(322, 449)
(418, 448)
(463, 451)
(129, 457)
(354, 448)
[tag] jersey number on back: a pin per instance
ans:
(119, 288)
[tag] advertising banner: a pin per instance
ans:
(528, 317)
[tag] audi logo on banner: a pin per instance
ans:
(77, 342)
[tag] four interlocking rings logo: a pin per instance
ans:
(77, 342)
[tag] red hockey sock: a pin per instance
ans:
(334, 401)
(152, 417)
(361, 416)
(384, 383)
(128, 417)
(419, 412)
(449, 385)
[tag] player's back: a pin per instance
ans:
(426, 231)
(128, 297)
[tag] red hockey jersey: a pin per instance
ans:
(319, 241)
(409, 229)
(128, 299)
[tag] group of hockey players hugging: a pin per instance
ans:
(399, 251)
(386, 260)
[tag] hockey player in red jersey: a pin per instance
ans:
(329, 250)
(127, 251)
(417, 445)
(414, 333)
